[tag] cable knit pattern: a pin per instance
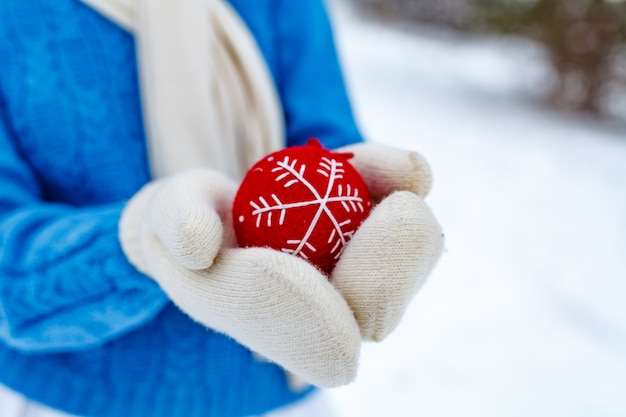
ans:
(81, 330)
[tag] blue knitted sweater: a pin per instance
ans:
(80, 329)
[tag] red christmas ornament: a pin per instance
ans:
(304, 200)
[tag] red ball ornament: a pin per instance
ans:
(306, 201)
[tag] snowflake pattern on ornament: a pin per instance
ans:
(306, 201)
(289, 173)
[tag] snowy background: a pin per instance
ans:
(526, 313)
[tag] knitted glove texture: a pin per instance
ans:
(396, 248)
(281, 307)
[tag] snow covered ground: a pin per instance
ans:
(526, 313)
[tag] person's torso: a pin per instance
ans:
(69, 89)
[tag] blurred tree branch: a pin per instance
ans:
(585, 40)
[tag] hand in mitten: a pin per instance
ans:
(178, 232)
(394, 250)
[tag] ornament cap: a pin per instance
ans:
(315, 143)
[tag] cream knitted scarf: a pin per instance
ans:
(208, 97)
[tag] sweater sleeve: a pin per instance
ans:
(311, 83)
(65, 283)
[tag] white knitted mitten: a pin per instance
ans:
(278, 305)
(394, 250)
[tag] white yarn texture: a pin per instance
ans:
(278, 305)
(178, 231)
(396, 248)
